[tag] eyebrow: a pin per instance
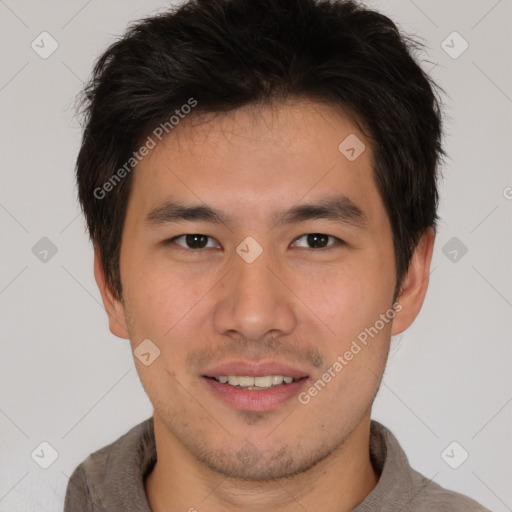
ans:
(337, 208)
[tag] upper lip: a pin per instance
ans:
(255, 369)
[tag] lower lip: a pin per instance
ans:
(254, 399)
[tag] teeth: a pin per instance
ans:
(263, 382)
(241, 381)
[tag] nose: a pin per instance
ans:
(255, 300)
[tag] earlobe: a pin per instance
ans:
(113, 305)
(415, 284)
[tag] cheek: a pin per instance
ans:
(160, 295)
(160, 306)
(348, 297)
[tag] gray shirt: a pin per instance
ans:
(112, 478)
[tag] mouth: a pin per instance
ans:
(255, 387)
(255, 383)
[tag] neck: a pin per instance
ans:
(337, 483)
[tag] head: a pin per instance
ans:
(308, 127)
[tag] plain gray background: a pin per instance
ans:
(65, 380)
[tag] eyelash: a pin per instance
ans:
(337, 241)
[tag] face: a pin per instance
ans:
(262, 286)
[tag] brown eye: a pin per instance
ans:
(317, 240)
(193, 241)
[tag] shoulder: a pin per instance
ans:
(81, 492)
(402, 488)
(101, 473)
(77, 492)
(428, 496)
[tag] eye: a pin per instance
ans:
(317, 240)
(192, 241)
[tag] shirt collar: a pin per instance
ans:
(136, 455)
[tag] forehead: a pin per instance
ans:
(256, 159)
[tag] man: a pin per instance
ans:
(259, 182)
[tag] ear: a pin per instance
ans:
(113, 306)
(415, 284)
